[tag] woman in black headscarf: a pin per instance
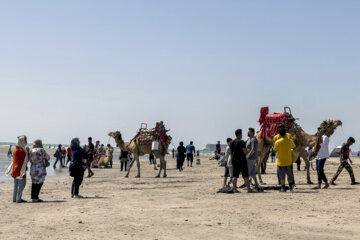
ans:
(77, 166)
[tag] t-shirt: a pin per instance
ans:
(283, 148)
(277, 137)
(181, 151)
(324, 148)
(69, 151)
(345, 151)
(218, 148)
(190, 149)
(228, 157)
(252, 144)
(238, 155)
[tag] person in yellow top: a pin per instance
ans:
(283, 146)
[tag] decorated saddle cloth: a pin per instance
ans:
(147, 136)
(270, 122)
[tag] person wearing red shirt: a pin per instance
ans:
(69, 155)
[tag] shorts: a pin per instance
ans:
(190, 157)
(228, 172)
(282, 171)
(251, 167)
(240, 168)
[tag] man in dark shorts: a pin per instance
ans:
(239, 162)
(90, 152)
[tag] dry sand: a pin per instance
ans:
(183, 206)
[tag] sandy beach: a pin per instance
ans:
(183, 206)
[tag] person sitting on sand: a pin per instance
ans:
(345, 156)
(239, 163)
(19, 167)
(284, 147)
(227, 163)
(39, 161)
(77, 166)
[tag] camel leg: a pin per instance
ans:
(131, 163)
(164, 167)
(304, 156)
(161, 167)
(155, 168)
(138, 166)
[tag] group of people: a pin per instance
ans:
(187, 152)
(241, 157)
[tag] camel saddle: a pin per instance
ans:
(270, 122)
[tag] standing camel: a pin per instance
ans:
(139, 150)
(302, 140)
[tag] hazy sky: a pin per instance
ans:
(84, 68)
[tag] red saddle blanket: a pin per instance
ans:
(270, 122)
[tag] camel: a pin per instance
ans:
(302, 140)
(102, 163)
(140, 150)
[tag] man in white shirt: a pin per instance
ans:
(321, 157)
(228, 163)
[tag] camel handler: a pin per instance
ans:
(109, 154)
(284, 161)
(345, 156)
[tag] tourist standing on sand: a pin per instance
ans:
(90, 154)
(345, 156)
(252, 156)
(273, 155)
(190, 151)
(218, 148)
(321, 157)
(239, 162)
(181, 150)
(10, 154)
(39, 161)
(77, 166)
(173, 153)
(109, 154)
(124, 158)
(19, 167)
(69, 154)
(228, 163)
(58, 156)
(283, 146)
(151, 158)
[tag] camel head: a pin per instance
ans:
(116, 135)
(328, 127)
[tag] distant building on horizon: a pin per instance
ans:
(212, 147)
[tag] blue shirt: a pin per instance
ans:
(190, 149)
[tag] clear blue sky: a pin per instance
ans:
(81, 68)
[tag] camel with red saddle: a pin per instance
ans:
(141, 144)
(269, 128)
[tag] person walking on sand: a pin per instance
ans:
(252, 156)
(10, 154)
(39, 160)
(58, 156)
(190, 151)
(69, 155)
(124, 158)
(238, 158)
(90, 154)
(321, 157)
(284, 146)
(151, 158)
(173, 153)
(63, 154)
(19, 168)
(227, 163)
(77, 166)
(181, 150)
(345, 156)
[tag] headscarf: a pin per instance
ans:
(38, 143)
(22, 141)
(75, 143)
